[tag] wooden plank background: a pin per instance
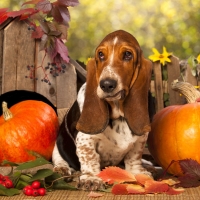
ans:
(17, 51)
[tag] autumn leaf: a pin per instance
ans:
(171, 182)
(135, 189)
(120, 189)
(94, 195)
(60, 13)
(3, 15)
(174, 191)
(142, 178)
(62, 50)
(116, 174)
(152, 186)
(191, 171)
(68, 2)
(24, 12)
(44, 5)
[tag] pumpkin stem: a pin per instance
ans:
(187, 90)
(6, 112)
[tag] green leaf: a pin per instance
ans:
(6, 162)
(8, 192)
(32, 164)
(21, 184)
(33, 153)
(59, 184)
(41, 174)
(26, 177)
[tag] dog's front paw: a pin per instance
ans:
(89, 182)
(64, 171)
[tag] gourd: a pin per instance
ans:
(28, 126)
(175, 133)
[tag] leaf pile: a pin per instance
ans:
(49, 179)
(126, 183)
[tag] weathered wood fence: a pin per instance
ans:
(17, 51)
(176, 70)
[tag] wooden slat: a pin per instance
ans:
(18, 52)
(66, 87)
(173, 69)
(158, 86)
(49, 91)
(1, 58)
(189, 77)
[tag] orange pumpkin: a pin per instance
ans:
(175, 135)
(28, 126)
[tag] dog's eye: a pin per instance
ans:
(128, 55)
(101, 56)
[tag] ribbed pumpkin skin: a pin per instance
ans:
(34, 127)
(175, 135)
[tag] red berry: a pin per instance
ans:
(29, 192)
(35, 185)
(35, 192)
(1, 181)
(41, 191)
(26, 188)
(4, 178)
(9, 183)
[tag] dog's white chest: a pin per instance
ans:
(112, 145)
(115, 143)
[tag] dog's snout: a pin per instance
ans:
(108, 85)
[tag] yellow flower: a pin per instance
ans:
(160, 57)
(198, 59)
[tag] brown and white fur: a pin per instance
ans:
(114, 123)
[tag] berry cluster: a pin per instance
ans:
(54, 69)
(6, 182)
(34, 189)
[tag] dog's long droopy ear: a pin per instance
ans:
(136, 103)
(95, 114)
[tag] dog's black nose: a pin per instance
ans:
(108, 85)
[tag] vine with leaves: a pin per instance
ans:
(49, 22)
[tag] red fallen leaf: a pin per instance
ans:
(142, 178)
(174, 191)
(135, 189)
(171, 181)
(94, 195)
(116, 174)
(152, 186)
(120, 189)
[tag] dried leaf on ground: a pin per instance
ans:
(191, 173)
(94, 195)
(152, 186)
(111, 175)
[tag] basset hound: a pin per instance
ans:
(109, 122)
